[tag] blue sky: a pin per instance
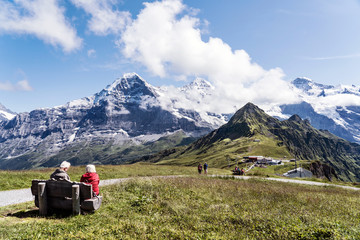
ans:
(55, 51)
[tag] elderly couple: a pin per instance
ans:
(90, 177)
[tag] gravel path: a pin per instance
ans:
(15, 196)
(24, 195)
(289, 181)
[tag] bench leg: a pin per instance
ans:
(42, 199)
(76, 199)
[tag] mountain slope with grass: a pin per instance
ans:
(252, 132)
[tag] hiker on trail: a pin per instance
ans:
(199, 168)
(61, 173)
(91, 177)
(242, 172)
(205, 167)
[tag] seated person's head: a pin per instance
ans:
(65, 165)
(90, 168)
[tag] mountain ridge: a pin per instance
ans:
(127, 112)
(300, 139)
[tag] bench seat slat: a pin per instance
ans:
(62, 188)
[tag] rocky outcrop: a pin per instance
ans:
(322, 170)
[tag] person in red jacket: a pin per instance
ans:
(91, 177)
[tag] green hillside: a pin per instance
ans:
(223, 152)
(252, 132)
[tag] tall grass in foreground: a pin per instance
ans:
(202, 208)
(22, 178)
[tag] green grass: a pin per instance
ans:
(268, 170)
(226, 152)
(199, 208)
(22, 179)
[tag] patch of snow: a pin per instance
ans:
(83, 102)
(7, 115)
(72, 137)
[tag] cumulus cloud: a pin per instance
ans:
(43, 18)
(22, 85)
(329, 104)
(340, 100)
(104, 19)
(166, 38)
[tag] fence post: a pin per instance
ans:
(43, 208)
(76, 199)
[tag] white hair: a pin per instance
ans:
(90, 168)
(65, 164)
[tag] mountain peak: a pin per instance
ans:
(295, 118)
(252, 116)
(250, 105)
(6, 114)
(127, 81)
(248, 110)
(130, 84)
(199, 84)
(303, 83)
(308, 85)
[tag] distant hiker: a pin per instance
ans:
(242, 172)
(91, 177)
(236, 171)
(61, 173)
(205, 167)
(199, 168)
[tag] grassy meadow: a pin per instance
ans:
(228, 152)
(22, 179)
(198, 208)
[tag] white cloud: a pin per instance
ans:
(43, 18)
(91, 53)
(22, 85)
(349, 56)
(167, 40)
(104, 19)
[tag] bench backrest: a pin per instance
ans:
(60, 189)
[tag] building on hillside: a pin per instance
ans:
(254, 158)
(275, 162)
(268, 161)
(299, 173)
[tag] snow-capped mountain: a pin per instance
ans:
(131, 112)
(128, 110)
(5, 114)
(334, 108)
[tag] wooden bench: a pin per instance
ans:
(66, 195)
